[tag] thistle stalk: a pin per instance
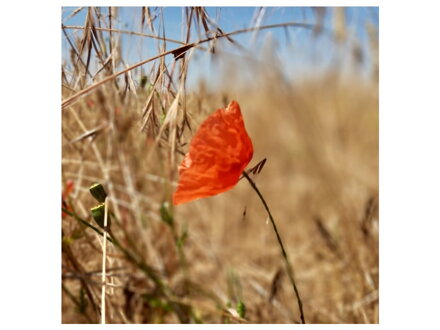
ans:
(289, 267)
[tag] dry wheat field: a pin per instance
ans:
(136, 85)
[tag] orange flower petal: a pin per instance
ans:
(219, 152)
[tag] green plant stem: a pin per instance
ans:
(84, 222)
(283, 251)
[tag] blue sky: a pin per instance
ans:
(299, 50)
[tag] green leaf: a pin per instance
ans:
(181, 240)
(241, 309)
(155, 302)
(82, 301)
(165, 215)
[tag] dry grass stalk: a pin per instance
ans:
(104, 262)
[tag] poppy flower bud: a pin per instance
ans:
(98, 191)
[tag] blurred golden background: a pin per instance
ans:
(317, 128)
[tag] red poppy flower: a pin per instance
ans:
(64, 197)
(218, 153)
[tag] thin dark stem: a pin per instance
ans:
(283, 251)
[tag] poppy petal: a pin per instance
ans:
(218, 153)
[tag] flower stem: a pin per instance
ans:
(280, 242)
